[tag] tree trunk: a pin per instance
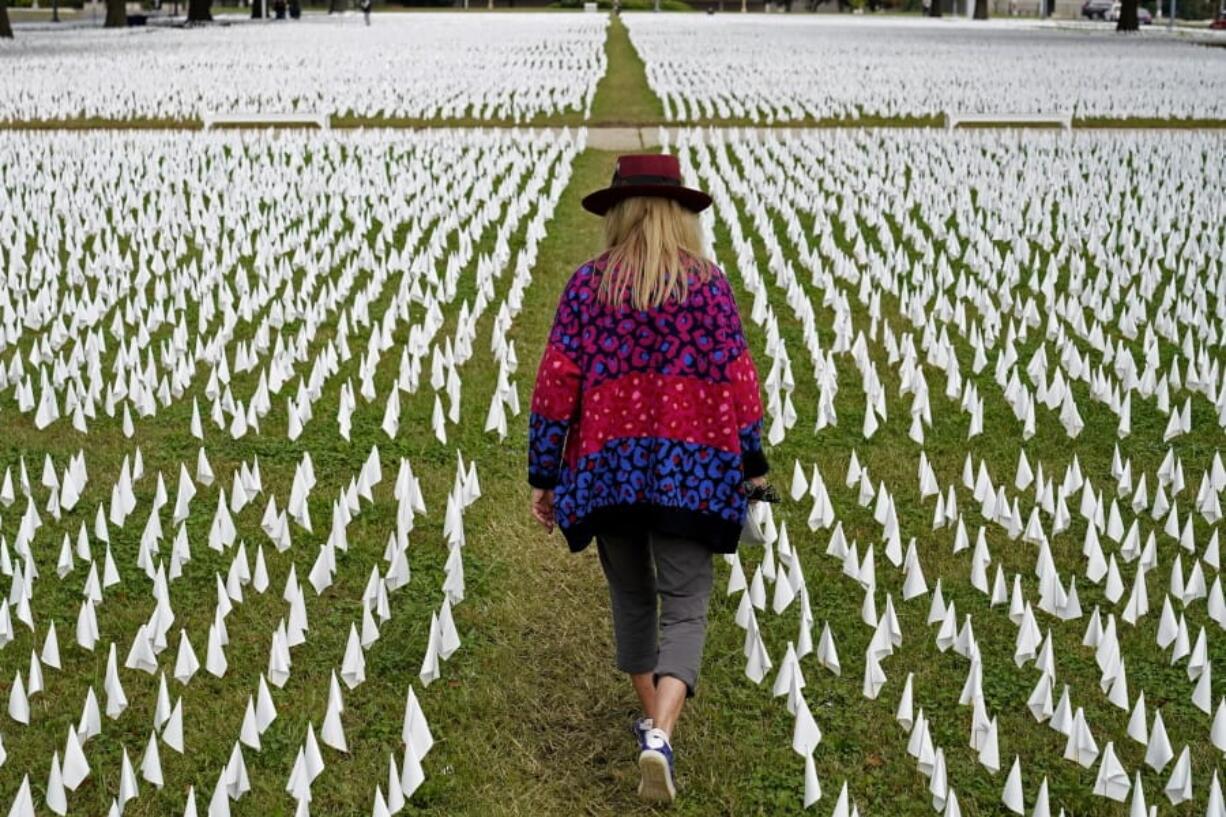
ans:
(116, 14)
(934, 9)
(6, 30)
(981, 9)
(1128, 16)
(257, 9)
(331, 6)
(199, 11)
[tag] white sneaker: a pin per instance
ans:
(656, 767)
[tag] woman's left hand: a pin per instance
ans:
(542, 508)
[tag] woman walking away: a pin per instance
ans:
(646, 435)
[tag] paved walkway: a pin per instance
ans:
(623, 138)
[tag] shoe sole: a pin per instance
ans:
(657, 783)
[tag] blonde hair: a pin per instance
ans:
(652, 245)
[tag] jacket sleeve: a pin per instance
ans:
(746, 395)
(555, 397)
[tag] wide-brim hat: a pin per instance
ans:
(654, 174)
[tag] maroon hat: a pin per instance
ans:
(656, 174)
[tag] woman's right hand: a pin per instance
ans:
(542, 508)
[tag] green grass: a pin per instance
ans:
(41, 15)
(530, 715)
(1149, 122)
(623, 98)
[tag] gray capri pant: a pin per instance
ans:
(659, 586)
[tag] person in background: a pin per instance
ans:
(645, 434)
(365, 5)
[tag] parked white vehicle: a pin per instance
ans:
(1143, 15)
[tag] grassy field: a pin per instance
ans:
(625, 100)
(863, 743)
(214, 706)
(530, 716)
(735, 740)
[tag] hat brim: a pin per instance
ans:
(600, 201)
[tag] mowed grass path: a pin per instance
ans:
(623, 96)
(549, 730)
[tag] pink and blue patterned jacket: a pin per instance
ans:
(647, 419)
